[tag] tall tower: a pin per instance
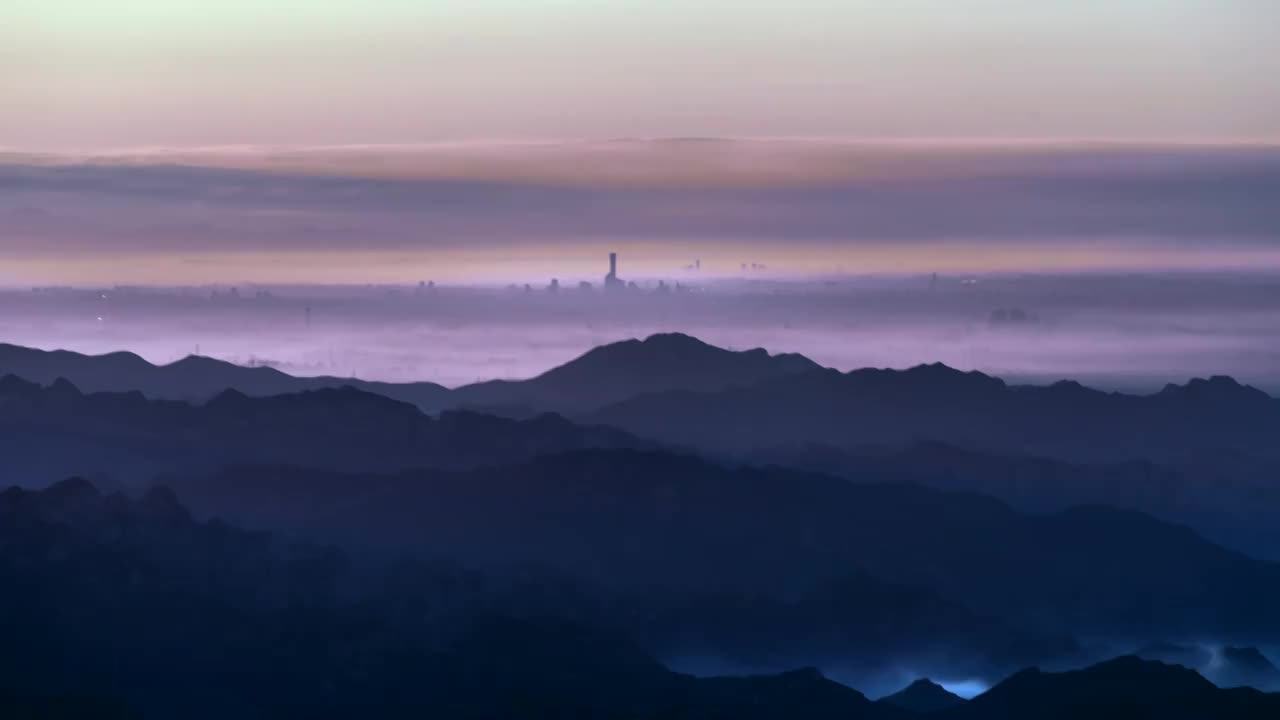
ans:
(611, 280)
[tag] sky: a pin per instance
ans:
(89, 74)
(526, 213)
(186, 141)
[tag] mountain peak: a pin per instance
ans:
(1216, 388)
(606, 374)
(11, 383)
(924, 696)
(927, 379)
(197, 361)
(63, 386)
(161, 502)
(229, 398)
(674, 339)
(1125, 676)
(68, 497)
(71, 489)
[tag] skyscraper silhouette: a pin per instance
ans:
(611, 281)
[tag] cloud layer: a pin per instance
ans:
(771, 199)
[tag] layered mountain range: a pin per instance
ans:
(124, 607)
(547, 547)
(1201, 453)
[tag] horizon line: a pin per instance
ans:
(941, 141)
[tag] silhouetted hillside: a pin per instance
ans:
(1244, 666)
(131, 598)
(611, 373)
(54, 431)
(602, 376)
(108, 596)
(1229, 499)
(1199, 453)
(1126, 687)
(650, 519)
(1026, 482)
(678, 389)
(1227, 666)
(896, 409)
(194, 378)
(923, 696)
(20, 705)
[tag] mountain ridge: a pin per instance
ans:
(175, 616)
(658, 519)
(55, 431)
(923, 696)
(697, 366)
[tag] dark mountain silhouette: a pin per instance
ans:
(1226, 667)
(648, 519)
(543, 669)
(1244, 666)
(194, 378)
(50, 432)
(923, 696)
(896, 409)
(536, 517)
(108, 596)
(1226, 498)
(1126, 687)
(1027, 482)
(1199, 453)
(20, 705)
(678, 389)
(611, 373)
(602, 376)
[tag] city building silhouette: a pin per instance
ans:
(611, 281)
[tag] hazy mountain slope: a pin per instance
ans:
(652, 519)
(611, 373)
(193, 378)
(50, 432)
(971, 410)
(601, 376)
(134, 599)
(1229, 498)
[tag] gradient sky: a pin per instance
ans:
(499, 212)
(160, 141)
(91, 74)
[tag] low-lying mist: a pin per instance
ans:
(1220, 663)
(1131, 332)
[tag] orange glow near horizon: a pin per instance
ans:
(644, 261)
